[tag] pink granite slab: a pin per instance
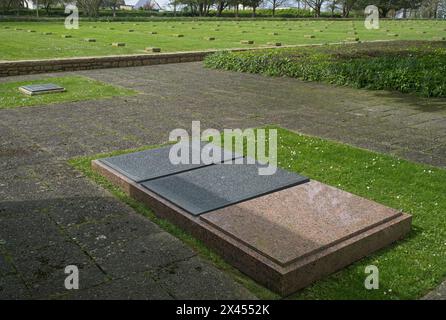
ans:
(300, 221)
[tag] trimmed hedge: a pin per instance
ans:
(260, 13)
(409, 67)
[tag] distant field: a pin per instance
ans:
(37, 40)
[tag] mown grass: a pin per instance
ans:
(78, 88)
(408, 67)
(408, 269)
(18, 43)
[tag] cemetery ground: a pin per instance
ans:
(44, 40)
(55, 211)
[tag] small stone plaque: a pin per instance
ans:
(36, 89)
(153, 163)
(218, 186)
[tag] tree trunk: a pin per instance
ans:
(318, 11)
(253, 12)
(219, 9)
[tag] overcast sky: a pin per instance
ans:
(162, 3)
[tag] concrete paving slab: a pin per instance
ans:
(138, 286)
(140, 254)
(194, 279)
(12, 288)
(96, 235)
(217, 186)
(5, 266)
(43, 269)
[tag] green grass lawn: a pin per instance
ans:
(408, 269)
(17, 43)
(77, 88)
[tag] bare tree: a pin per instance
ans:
(221, 5)
(276, 4)
(90, 7)
(113, 4)
(333, 5)
(316, 6)
(347, 6)
(254, 4)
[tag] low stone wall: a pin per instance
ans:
(24, 67)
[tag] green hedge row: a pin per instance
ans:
(419, 69)
(261, 13)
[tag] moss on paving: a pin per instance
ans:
(19, 44)
(408, 269)
(78, 88)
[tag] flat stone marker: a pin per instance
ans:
(309, 231)
(152, 49)
(153, 163)
(217, 186)
(37, 89)
(282, 230)
(296, 222)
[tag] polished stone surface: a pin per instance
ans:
(217, 186)
(154, 163)
(297, 222)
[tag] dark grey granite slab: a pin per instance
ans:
(217, 186)
(41, 88)
(154, 163)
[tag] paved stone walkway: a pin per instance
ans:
(52, 216)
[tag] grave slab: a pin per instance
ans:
(213, 187)
(298, 222)
(45, 88)
(286, 239)
(154, 163)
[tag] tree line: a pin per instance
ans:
(343, 8)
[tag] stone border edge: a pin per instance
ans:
(26, 67)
